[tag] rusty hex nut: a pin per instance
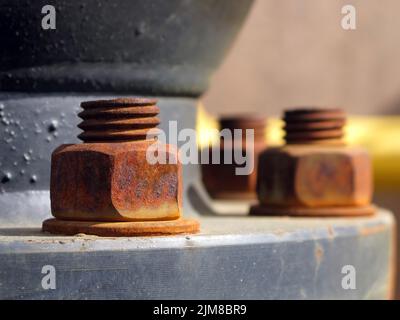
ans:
(114, 182)
(221, 180)
(314, 176)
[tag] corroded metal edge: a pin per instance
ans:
(122, 229)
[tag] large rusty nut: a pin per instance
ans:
(114, 182)
(314, 176)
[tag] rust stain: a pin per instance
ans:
(319, 253)
(280, 232)
(370, 230)
(331, 233)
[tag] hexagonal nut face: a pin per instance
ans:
(223, 182)
(314, 176)
(114, 182)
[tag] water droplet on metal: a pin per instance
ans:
(33, 179)
(7, 176)
(52, 126)
(5, 121)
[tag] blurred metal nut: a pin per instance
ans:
(222, 181)
(314, 176)
(110, 185)
(114, 182)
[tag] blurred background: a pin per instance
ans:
(295, 53)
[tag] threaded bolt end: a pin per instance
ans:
(257, 123)
(314, 126)
(119, 120)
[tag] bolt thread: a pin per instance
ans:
(257, 123)
(119, 120)
(314, 126)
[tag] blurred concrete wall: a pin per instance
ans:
(295, 52)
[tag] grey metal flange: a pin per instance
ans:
(232, 258)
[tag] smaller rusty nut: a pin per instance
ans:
(311, 176)
(314, 173)
(221, 180)
(114, 182)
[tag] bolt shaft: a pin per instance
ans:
(314, 126)
(257, 123)
(119, 120)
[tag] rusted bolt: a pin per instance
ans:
(221, 180)
(315, 173)
(108, 178)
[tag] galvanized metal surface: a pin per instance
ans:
(151, 47)
(232, 258)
